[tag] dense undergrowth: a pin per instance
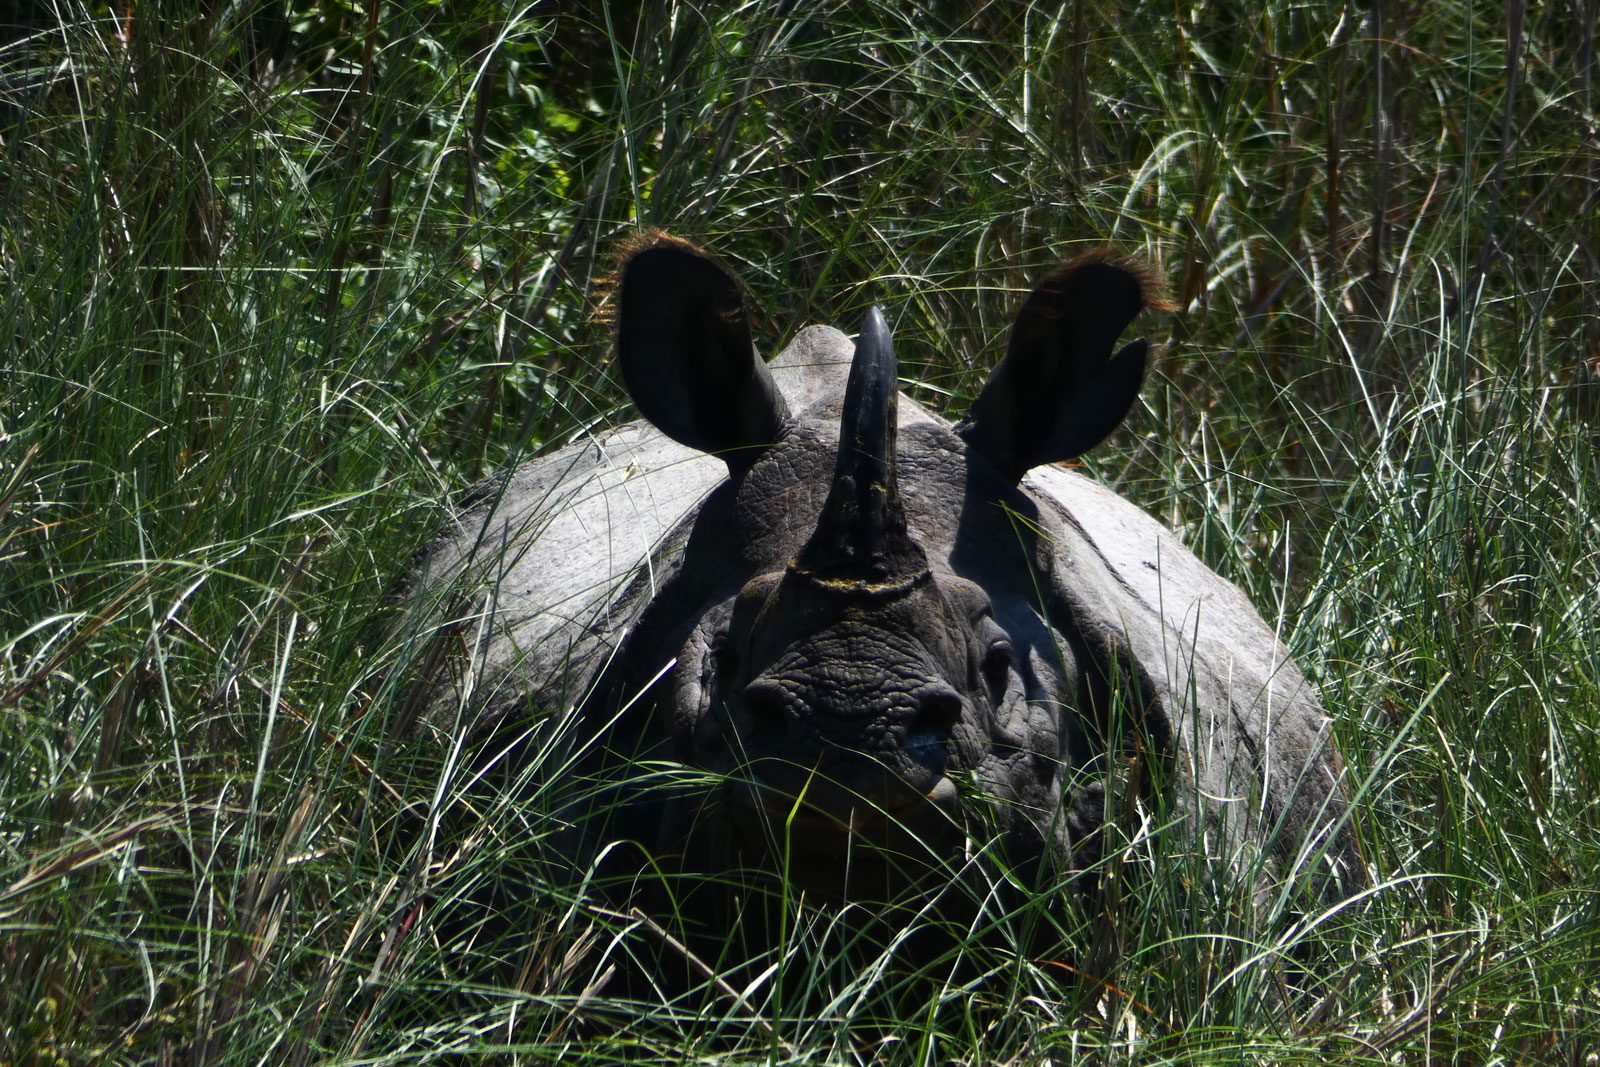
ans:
(281, 279)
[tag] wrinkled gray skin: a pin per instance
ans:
(925, 637)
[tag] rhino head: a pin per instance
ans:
(862, 627)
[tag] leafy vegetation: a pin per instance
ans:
(282, 278)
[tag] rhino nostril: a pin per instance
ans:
(766, 704)
(938, 709)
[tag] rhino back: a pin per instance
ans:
(1250, 741)
(534, 568)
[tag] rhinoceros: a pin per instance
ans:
(864, 631)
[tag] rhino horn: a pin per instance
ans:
(861, 542)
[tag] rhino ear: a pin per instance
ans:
(1060, 390)
(683, 343)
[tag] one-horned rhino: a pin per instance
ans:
(875, 633)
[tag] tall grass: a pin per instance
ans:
(281, 279)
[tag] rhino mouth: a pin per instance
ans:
(903, 824)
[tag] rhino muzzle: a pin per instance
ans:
(847, 741)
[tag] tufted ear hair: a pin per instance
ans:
(1059, 390)
(683, 344)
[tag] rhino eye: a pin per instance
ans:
(997, 663)
(724, 657)
(939, 709)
